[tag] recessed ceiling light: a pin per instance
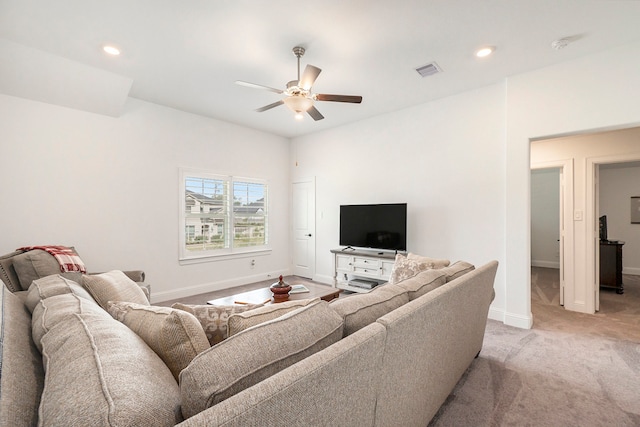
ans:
(485, 51)
(111, 50)
(560, 43)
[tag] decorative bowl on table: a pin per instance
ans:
(280, 290)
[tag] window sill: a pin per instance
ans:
(224, 257)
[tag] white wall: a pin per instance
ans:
(545, 217)
(463, 164)
(596, 92)
(617, 185)
(585, 150)
(445, 159)
(109, 186)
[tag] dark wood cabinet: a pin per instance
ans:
(611, 265)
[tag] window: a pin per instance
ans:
(221, 215)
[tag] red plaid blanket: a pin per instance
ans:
(68, 258)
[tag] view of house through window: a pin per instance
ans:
(223, 214)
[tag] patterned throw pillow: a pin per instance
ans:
(405, 268)
(214, 318)
(434, 263)
(408, 266)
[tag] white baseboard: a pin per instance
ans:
(495, 314)
(546, 264)
(519, 321)
(321, 278)
(211, 286)
(631, 270)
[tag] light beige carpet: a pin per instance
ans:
(569, 370)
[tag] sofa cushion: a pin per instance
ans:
(257, 353)
(457, 269)
(240, 321)
(33, 265)
(423, 282)
(21, 373)
(360, 310)
(214, 318)
(51, 311)
(53, 285)
(175, 335)
(99, 372)
(113, 286)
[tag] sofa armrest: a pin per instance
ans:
(138, 276)
(135, 275)
(146, 288)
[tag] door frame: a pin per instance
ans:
(566, 237)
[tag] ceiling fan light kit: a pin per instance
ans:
(298, 95)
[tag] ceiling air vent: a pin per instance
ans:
(429, 69)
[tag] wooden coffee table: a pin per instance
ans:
(264, 295)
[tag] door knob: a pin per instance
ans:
(308, 235)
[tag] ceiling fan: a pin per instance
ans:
(298, 95)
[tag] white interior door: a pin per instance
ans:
(561, 239)
(304, 224)
(596, 233)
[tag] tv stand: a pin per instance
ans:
(364, 269)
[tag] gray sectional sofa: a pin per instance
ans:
(386, 358)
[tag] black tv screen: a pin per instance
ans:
(382, 226)
(603, 228)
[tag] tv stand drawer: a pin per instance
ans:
(353, 266)
(366, 263)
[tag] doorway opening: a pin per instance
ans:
(546, 216)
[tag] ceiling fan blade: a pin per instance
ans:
(270, 106)
(255, 86)
(315, 114)
(309, 76)
(338, 98)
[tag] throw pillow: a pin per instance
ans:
(213, 318)
(239, 362)
(431, 262)
(360, 310)
(403, 268)
(240, 321)
(175, 335)
(412, 264)
(114, 286)
(51, 286)
(33, 265)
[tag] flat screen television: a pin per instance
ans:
(603, 228)
(380, 226)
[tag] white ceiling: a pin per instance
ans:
(187, 54)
